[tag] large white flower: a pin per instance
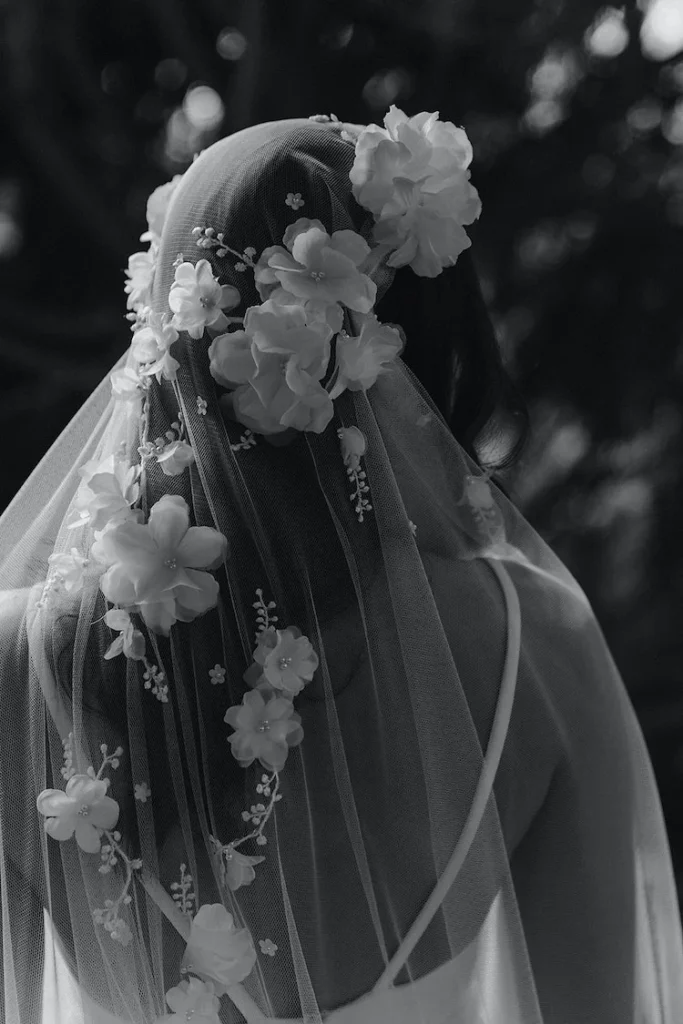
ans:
(413, 176)
(84, 808)
(361, 360)
(318, 267)
(216, 950)
(154, 567)
(270, 328)
(198, 300)
(107, 491)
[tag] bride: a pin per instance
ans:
(302, 721)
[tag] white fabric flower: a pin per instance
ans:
(316, 311)
(287, 658)
(70, 569)
(216, 950)
(413, 176)
(192, 1000)
(318, 266)
(142, 792)
(130, 642)
(264, 729)
(154, 566)
(127, 385)
(353, 445)
(198, 300)
(176, 457)
(239, 869)
(83, 808)
(140, 274)
(272, 404)
(361, 360)
(281, 331)
(151, 346)
(157, 208)
(106, 492)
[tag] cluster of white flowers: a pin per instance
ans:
(412, 175)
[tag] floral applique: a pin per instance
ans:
(183, 894)
(353, 445)
(247, 440)
(192, 1000)
(85, 811)
(294, 200)
(478, 497)
(172, 451)
(209, 238)
(202, 406)
(142, 792)
(264, 618)
(217, 675)
(268, 947)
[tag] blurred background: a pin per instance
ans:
(575, 112)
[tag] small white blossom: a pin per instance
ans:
(142, 792)
(294, 200)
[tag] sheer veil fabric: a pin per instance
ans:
(467, 736)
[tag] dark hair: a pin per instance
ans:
(452, 348)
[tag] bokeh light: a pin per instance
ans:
(661, 34)
(231, 44)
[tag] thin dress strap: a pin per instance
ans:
(494, 751)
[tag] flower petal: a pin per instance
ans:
(169, 521)
(87, 837)
(53, 802)
(105, 813)
(202, 547)
(61, 828)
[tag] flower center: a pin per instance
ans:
(171, 563)
(317, 275)
(284, 663)
(264, 726)
(84, 811)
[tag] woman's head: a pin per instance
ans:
(251, 186)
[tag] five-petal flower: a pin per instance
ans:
(198, 300)
(264, 730)
(83, 808)
(154, 566)
(318, 266)
(287, 658)
(192, 1000)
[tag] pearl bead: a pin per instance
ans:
(317, 275)
(284, 663)
(264, 727)
(84, 811)
(171, 563)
